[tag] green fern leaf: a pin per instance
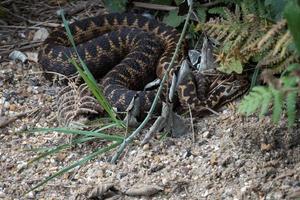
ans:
(244, 105)
(116, 5)
(249, 6)
(228, 15)
(173, 19)
(278, 104)
(234, 65)
(201, 14)
(290, 81)
(291, 101)
(218, 11)
(237, 13)
(266, 101)
(290, 68)
(252, 101)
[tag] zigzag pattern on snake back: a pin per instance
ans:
(126, 51)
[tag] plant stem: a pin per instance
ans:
(148, 117)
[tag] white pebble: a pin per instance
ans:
(30, 195)
(2, 100)
(29, 89)
(6, 104)
(21, 165)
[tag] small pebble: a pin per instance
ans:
(31, 195)
(164, 181)
(228, 130)
(41, 35)
(146, 147)
(2, 100)
(21, 165)
(22, 128)
(6, 104)
(2, 195)
(12, 107)
(206, 134)
(29, 89)
(53, 161)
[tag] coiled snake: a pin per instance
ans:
(127, 51)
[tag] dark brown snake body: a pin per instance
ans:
(126, 51)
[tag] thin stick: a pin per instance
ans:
(192, 124)
(154, 6)
(20, 27)
(148, 117)
(211, 110)
(31, 21)
(29, 46)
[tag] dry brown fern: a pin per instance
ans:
(74, 101)
(279, 56)
(246, 36)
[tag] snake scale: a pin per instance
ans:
(127, 51)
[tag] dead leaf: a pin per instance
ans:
(214, 159)
(265, 147)
(105, 189)
(32, 56)
(143, 190)
(4, 120)
(41, 35)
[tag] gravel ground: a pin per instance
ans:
(226, 157)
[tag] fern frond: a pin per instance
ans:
(286, 45)
(237, 13)
(232, 34)
(228, 15)
(269, 35)
(278, 104)
(220, 36)
(253, 100)
(270, 60)
(282, 42)
(73, 101)
(250, 7)
(292, 58)
(283, 97)
(266, 101)
(217, 10)
(245, 11)
(246, 36)
(291, 101)
(237, 41)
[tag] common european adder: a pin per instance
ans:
(126, 51)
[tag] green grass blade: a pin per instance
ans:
(254, 77)
(78, 163)
(106, 127)
(97, 92)
(51, 151)
(80, 132)
(89, 78)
